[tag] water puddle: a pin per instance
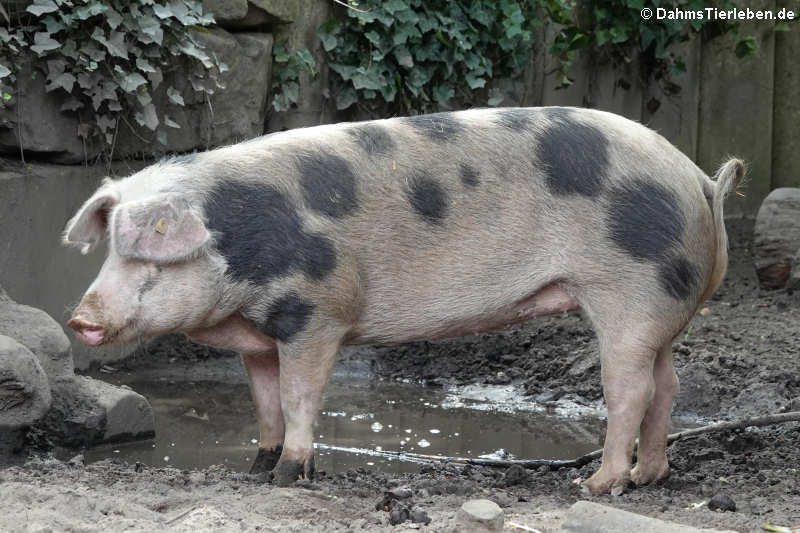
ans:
(203, 423)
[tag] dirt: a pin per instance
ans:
(738, 358)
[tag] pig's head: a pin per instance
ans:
(158, 276)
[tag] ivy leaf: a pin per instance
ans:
(43, 42)
(40, 7)
(144, 65)
(162, 12)
(113, 18)
(4, 71)
(745, 47)
(72, 104)
(174, 96)
(66, 81)
(53, 25)
(171, 123)
(306, 59)
(346, 98)
(443, 93)
(495, 97)
(151, 30)
(131, 82)
(162, 137)
(393, 6)
(474, 81)
(147, 117)
(155, 78)
(403, 56)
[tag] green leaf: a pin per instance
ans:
(495, 97)
(131, 82)
(39, 7)
(403, 57)
(43, 43)
(4, 71)
(171, 123)
(346, 98)
(161, 135)
(474, 81)
(147, 117)
(443, 93)
(144, 65)
(174, 96)
(745, 47)
(65, 81)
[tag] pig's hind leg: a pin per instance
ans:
(651, 463)
(634, 334)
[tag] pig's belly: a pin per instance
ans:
(405, 324)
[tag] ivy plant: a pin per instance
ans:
(286, 75)
(108, 57)
(421, 55)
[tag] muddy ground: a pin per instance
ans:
(739, 358)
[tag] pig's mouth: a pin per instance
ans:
(93, 334)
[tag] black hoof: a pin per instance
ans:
(266, 460)
(287, 472)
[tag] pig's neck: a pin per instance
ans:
(237, 334)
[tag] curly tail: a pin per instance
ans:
(727, 178)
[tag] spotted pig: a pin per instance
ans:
(288, 246)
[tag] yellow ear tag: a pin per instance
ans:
(161, 225)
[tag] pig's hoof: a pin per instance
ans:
(649, 473)
(605, 484)
(287, 472)
(266, 460)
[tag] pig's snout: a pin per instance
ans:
(88, 332)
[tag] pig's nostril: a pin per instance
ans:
(88, 332)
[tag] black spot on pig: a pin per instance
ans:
(575, 155)
(328, 183)
(469, 175)
(678, 277)
(514, 119)
(287, 316)
(427, 197)
(440, 127)
(260, 234)
(374, 139)
(645, 220)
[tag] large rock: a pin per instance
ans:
(281, 10)
(225, 10)
(479, 516)
(584, 517)
(87, 411)
(24, 393)
(776, 237)
(233, 113)
(44, 129)
(42, 335)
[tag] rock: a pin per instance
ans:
(418, 516)
(721, 502)
(45, 130)
(87, 411)
(776, 237)
(479, 516)
(42, 335)
(280, 10)
(232, 114)
(24, 393)
(586, 516)
(515, 475)
(225, 10)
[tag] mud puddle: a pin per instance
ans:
(203, 423)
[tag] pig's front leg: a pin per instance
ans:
(304, 371)
(263, 372)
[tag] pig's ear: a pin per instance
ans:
(163, 229)
(89, 225)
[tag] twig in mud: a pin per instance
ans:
(554, 464)
(514, 525)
